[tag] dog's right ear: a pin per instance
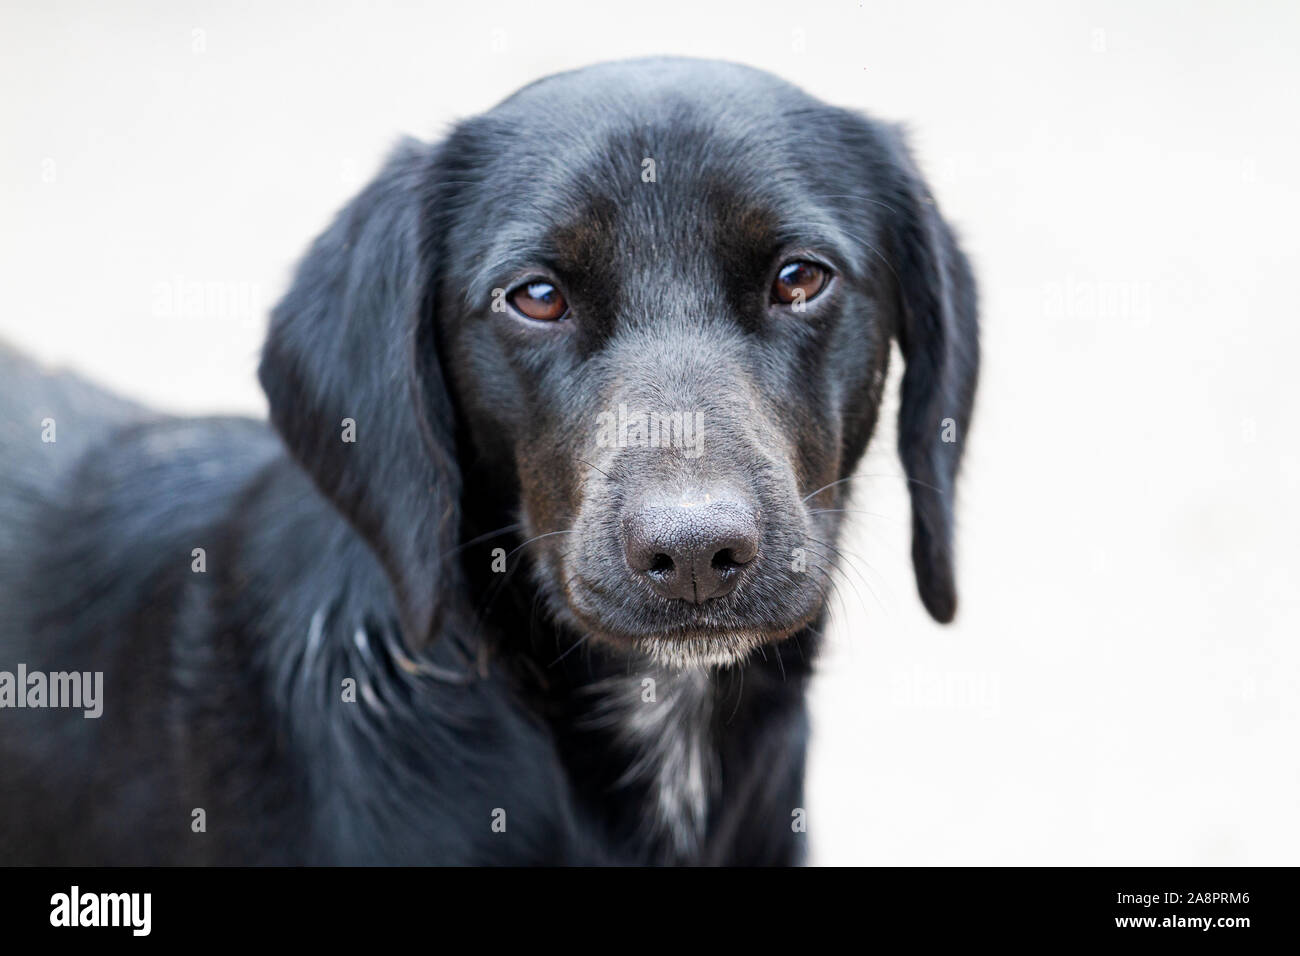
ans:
(355, 387)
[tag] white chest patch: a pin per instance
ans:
(663, 721)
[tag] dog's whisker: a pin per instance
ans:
(854, 511)
(845, 480)
(539, 537)
(487, 536)
(740, 692)
(590, 465)
(571, 648)
(827, 580)
(834, 583)
(850, 560)
(850, 556)
(498, 587)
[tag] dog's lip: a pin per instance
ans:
(686, 632)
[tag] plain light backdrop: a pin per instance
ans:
(1120, 686)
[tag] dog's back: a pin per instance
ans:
(195, 568)
(102, 505)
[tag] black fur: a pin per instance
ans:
(373, 561)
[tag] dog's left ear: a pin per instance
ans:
(355, 387)
(938, 332)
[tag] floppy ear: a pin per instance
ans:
(355, 388)
(938, 332)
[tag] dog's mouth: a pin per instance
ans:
(691, 647)
(691, 566)
(621, 610)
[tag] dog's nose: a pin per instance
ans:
(692, 550)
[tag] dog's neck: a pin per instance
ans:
(684, 752)
(654, 750)
(661, 727)
(666, 755)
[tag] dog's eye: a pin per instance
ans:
(798, 282)
(540, 300)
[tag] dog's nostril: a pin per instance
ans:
(725, 560)
(661, 564)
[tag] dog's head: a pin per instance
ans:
(650, 306)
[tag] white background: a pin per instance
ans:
(1121, 684)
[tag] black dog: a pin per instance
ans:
(629, 330)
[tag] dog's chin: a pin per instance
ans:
(697, 652)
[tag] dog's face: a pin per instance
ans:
(656, 310)
(668, 338)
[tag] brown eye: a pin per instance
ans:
(540, 300)
(798, 282)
